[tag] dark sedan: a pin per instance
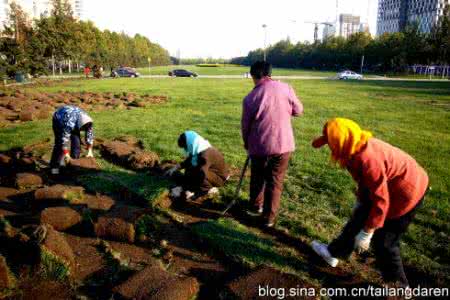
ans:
(125, 72)
(182, 73)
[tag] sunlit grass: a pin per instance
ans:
(318, 196)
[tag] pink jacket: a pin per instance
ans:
(266, 118)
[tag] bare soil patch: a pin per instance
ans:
(83, 164)
(247, 287)
(129, 154)
(55, 242)
(28, 180)
(17, 106)
(60, 218)
(155, 283)
(109, 227)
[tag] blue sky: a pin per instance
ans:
(220, 28)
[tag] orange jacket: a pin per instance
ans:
(395, 181)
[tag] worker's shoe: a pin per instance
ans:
(269, 224)
(54, 171)
(189, 195)
(322, 250)
(254, 211)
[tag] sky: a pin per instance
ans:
(221, 28)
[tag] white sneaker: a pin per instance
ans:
(54, 171)
(213, 191)
(269, 224)
(322, 250)
(189, 195)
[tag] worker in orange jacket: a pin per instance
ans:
(391, 186)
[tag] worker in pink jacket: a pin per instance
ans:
(268, 138)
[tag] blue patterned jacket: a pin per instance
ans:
(68, 118)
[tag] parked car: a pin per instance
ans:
(125, 72)
(349, 75)
(182, 73)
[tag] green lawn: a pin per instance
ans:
(318, 197)
(231, 70)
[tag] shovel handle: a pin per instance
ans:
(238, 188)
(241, 179)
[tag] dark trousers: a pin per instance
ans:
(385, 242)
(75, 145)
(266, 183)
(198, 181)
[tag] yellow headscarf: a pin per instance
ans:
(345, 138)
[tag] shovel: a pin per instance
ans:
(238, 188)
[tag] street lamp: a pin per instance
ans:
(265, 40)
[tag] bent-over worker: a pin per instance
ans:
(391, 187)
(68, 122)
(205, 168)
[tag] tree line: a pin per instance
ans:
(390, 52)
(199, 60)
(59, 41)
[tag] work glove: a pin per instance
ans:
(65, 159)
(176, 192)
(90, 153)
(362, 241)
(172, 170)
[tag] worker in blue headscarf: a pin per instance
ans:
(205, 168)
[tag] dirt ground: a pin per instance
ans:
(17, 106)
(129, 154)
(62, 240)
(57, 217)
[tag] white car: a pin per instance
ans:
(350, 75)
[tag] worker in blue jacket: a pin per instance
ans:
(68, 122)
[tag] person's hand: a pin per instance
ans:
(172, 171)
(362, 241)
(176, 192)
(89, 153)
(65, 159)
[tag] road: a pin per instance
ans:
(290, 77)
(298, 77)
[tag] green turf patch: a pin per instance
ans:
(115, 180)
(240, 244)
(53, 267)
(148, 224)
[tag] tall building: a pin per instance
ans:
(44, 8)
(328, 32)
(364, 27)
(394, 15)
(5, 5)
(347, 25)
(38, 8)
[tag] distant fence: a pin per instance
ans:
(438, 71)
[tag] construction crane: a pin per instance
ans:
(316, 28)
